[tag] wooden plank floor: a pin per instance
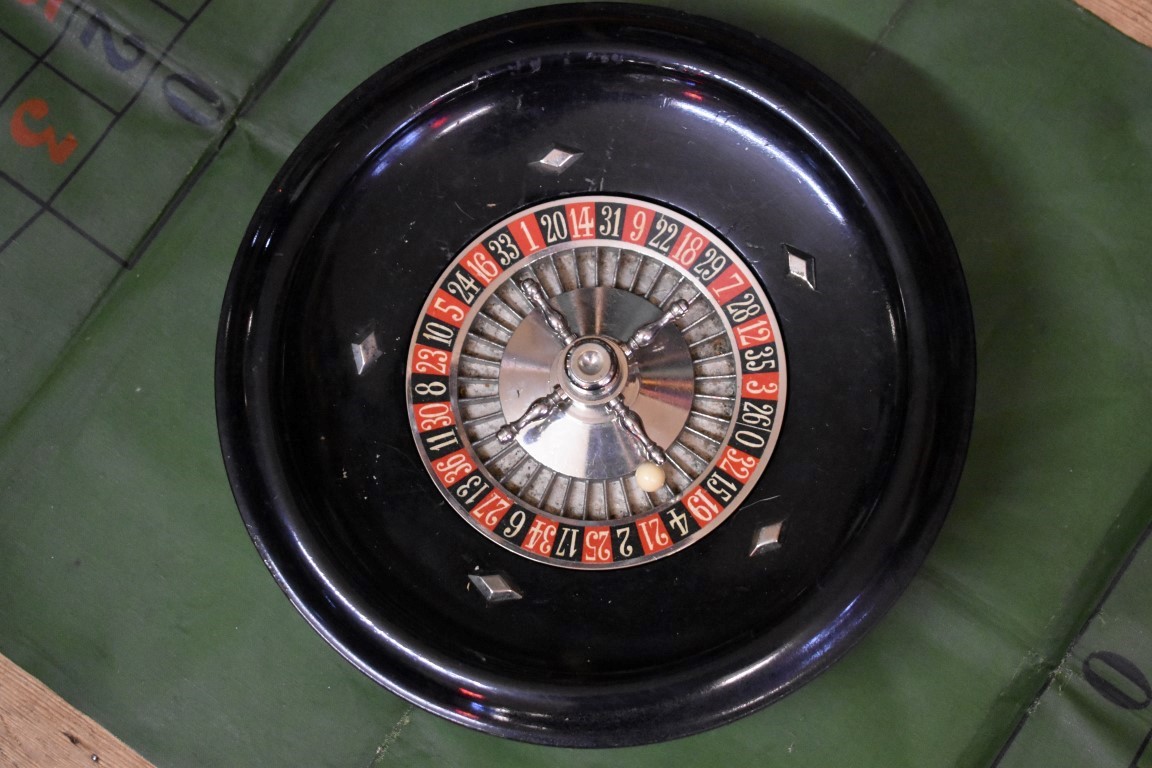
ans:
(38, 728)
(1132, 17)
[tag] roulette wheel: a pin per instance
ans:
(595, 375)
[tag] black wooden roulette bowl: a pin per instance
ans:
(804, 385)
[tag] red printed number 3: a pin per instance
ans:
(51, 8)
(59, 150)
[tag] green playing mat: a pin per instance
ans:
(136, 137)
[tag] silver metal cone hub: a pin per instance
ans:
(582, 440)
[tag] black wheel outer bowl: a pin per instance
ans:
(704, 637)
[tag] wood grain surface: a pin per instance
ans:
(1132, 17)
(38, 728)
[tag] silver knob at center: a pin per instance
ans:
(591, 366)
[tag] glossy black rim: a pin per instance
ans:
(693, 115)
